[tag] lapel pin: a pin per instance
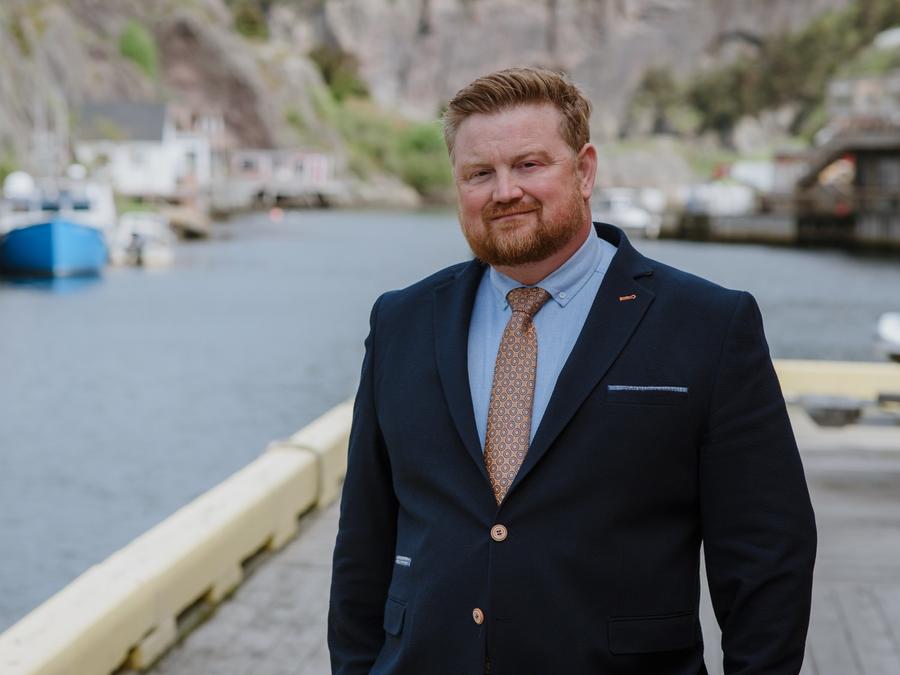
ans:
(625, 298)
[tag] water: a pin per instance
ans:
(123, 399)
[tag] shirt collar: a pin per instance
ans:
(565, 281)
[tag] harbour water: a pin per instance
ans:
(124, 398)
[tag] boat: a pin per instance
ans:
(142, 238)
(57, 230)
(888, 330)
(622, 207)
(57, 247)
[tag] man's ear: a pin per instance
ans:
(586, 166)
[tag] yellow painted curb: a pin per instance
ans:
(125, 610)
(837, 378)
(327, 439)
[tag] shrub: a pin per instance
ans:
(422, 159)
(380, 141)
(250, 19)
(137, 44)
(340, 70)
(8, 164)
(791, 67)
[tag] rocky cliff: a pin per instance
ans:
(412, 54)
(57, 54)
(415, 54)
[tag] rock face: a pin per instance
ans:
(50, 62)
(415, 54)
(57, 54)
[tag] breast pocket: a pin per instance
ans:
(643, 394)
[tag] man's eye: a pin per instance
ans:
(528, 165)
(481, 174)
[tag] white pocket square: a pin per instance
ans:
(646, 387)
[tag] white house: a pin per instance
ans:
(138, 148)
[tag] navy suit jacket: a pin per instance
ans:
(667, 427)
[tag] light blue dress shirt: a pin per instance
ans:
(572, 288)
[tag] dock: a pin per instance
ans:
(275, 623)
(237, 582)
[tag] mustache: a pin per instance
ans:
(492, 211)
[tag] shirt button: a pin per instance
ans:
(562, 295)
(499, 532)
(478, 616)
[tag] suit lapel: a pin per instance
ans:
(453, 303)
(607, 329)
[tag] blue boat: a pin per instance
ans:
(57, 247)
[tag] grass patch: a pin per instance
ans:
(137, 45)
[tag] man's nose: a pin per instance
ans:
(505, 188)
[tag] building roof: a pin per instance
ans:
(121, 122)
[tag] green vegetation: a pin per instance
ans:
(872, 62)
(340, 71)
(422, 159)
(659, 94)
(293, 117)
(23, 21)
(377, 140)
(250, 18)
(8, 164)
(137, 44)
(17, 29)
(789, 68)
(130, 204)
(382, 142)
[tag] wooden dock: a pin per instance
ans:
(275, 623)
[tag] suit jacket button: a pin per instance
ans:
(478, 616)
(498, 532)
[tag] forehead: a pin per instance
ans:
(510, 131)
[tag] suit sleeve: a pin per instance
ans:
(758, 526)
(364, 550)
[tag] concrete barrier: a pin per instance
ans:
(837, 378)
(126, 611)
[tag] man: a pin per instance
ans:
(543, 437)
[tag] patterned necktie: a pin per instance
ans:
(509, 412)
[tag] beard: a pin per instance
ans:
(513, 242)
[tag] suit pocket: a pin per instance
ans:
(642, 635)
(394, 613)
(646, 395)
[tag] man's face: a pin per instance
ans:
(522, 189)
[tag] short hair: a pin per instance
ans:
(518, 86)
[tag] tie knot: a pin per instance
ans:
(528, 300)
